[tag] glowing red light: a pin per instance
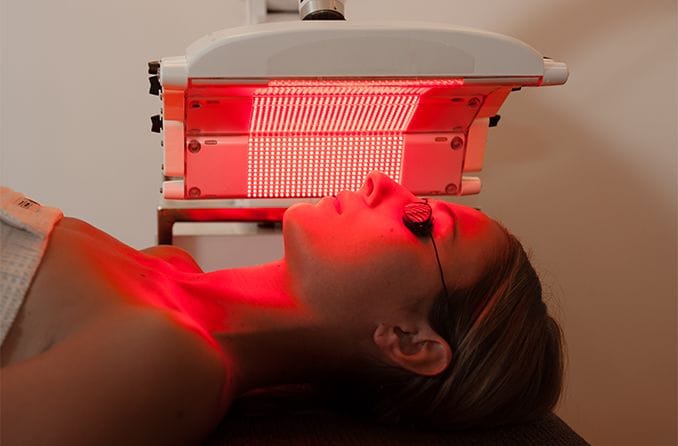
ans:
(318, 137)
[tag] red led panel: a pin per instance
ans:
(318, 137)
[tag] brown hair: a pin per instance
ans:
(507, 356)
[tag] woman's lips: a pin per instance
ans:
(333, 201)
(337, 204)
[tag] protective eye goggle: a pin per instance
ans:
(418, 218)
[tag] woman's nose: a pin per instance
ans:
(378, 187)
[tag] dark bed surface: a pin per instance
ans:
(278, 424)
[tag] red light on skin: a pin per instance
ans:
(318, 137)
(212, 302)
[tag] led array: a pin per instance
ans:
(315, 165)
(311, 138)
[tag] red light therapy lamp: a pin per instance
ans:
(307, 109)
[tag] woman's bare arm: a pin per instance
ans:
(130, 377)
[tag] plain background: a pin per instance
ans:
(584, 174)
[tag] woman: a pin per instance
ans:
(432, 318)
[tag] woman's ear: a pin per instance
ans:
(417, 347)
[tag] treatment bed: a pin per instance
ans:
(297, 420)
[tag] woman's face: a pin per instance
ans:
(353, 254)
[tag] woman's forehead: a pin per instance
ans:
(458, 225)
(462, 218)
(467, 240)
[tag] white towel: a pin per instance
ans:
(25, 226)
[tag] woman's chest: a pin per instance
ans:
(83, 274)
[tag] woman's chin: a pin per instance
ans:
(295, 213)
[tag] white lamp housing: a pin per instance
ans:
(304, 109)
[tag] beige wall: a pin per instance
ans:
(585, 174)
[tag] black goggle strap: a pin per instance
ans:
(418, 218)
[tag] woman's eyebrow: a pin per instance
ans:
(455, 221)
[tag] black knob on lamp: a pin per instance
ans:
(155, 85)
(156, 123)
(154, 67)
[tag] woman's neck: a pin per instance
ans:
(239, 300)
(267, 333)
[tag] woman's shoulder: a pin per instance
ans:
(174, 339)
(157, 377)
(167, 351)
